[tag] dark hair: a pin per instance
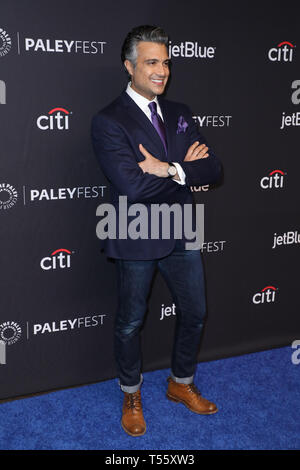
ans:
(138, 34)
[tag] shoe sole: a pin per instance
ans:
(130, 433)
(176, 400)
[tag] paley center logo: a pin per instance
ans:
(8, 196)
(56, 119)
(10, 332)
(5, 43)
(58, 259)
(266, 295)
(274, 180)
(283, 52)
(293, 119)
(2, 92)
(191, 49)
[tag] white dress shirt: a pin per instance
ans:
(143, 103)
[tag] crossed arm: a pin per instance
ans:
(200, 166)
(147, 181)
(158, 168)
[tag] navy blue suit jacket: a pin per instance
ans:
(117, 131)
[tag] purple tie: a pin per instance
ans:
(158, 124)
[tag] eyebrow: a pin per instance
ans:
(157, 60)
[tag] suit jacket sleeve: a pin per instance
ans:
(204, 170)
(119, 162)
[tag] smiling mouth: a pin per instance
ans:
(157, 81)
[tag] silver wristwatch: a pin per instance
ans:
(171, 170)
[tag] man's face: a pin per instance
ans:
(150, 75)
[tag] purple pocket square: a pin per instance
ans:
(181, 125)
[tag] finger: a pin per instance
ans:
(198, 157)
(144, 151)
(201, 150)
(141, 166)
(192, 148)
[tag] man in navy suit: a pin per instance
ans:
(151, 151)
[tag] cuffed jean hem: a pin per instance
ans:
(131, 388)
(182, 380)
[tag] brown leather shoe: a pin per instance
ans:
(133, 420)
(190, 396)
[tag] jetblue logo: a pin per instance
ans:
(191, 49)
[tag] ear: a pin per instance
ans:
(129, 67)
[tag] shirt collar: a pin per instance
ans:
(140, 100)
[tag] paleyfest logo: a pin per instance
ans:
(5, 43)
(10, 332)
(62, 45)
(8, 196)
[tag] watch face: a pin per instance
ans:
(172, 170)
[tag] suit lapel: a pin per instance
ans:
(169, 121)
(141, 119)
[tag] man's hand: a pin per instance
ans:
(195, 152)
(152, 165)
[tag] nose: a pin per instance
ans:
(161, 70)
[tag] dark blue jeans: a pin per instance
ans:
(183, 273)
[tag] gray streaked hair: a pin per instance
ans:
(141, 33)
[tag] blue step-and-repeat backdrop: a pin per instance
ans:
(236, 64)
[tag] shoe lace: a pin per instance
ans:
(193, 389)
(134, 401)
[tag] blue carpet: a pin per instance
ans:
(258, 396)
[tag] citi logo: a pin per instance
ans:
(56, 119)
(59, 259)
(283, 52)
(274, 180)
(266, 295)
